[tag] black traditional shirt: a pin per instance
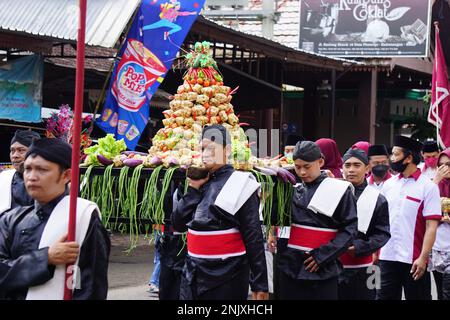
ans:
(23, 264)
(19, 195)
(196, 211)
(344, 220)
(377, 234)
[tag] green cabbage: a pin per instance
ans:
(107, 147)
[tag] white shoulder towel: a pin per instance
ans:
(328, 195)
(236, 191)
(365, 207)
(6, 178)
(55, 228)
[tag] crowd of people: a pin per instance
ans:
(365, 225)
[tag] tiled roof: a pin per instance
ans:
(90, 63)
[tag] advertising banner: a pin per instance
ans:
(152, 44)
(21, 89)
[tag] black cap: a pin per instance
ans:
(356, 153)
(430, 146)
(307, 151)
(217, 133)
(292, 139)
(53, 150)
(407, 143)
(378, 150)
(25, 137)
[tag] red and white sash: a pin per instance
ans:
(350, 262)
(307, 238)
(170, 230)
(219, 244)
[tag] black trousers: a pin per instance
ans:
(396, 276)
(293, 289)
(169, 283)
(281, 246)
(355, 287)
(237, 288)
(442, 285)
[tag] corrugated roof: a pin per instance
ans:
(58, 19)
(67, 59)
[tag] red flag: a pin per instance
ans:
(439, 110)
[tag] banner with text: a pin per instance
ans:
(21, 89)
(365, 28)
(153, 42)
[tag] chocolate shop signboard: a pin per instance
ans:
(365, 28)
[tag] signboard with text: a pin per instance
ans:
(365, 28)
(21, 89)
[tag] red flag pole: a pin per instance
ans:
(79, 91)
(436, 35)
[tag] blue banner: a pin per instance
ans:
(156, 34)
(21, 89)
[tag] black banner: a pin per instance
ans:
(365, 28)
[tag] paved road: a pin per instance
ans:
(128, 274)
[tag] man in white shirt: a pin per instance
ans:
(379, 166)
(414, 215)
(430, 153)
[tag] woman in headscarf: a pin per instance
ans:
(440, 255)
(363, 145)
(333, 158)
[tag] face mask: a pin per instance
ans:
(380, 170)
(431, 162)
(399, 166)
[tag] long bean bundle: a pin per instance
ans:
(132, 198)
(159, 214)
(107, 203)
(91, 187)
(266, 197)
(96, 189)
(86, 183)
(151, 195)
(184, 239)
(186, 185)
(284, 203)
(123, 203)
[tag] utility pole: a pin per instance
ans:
(222, 10)
(268, 21)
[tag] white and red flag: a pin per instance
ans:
(439, 113)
